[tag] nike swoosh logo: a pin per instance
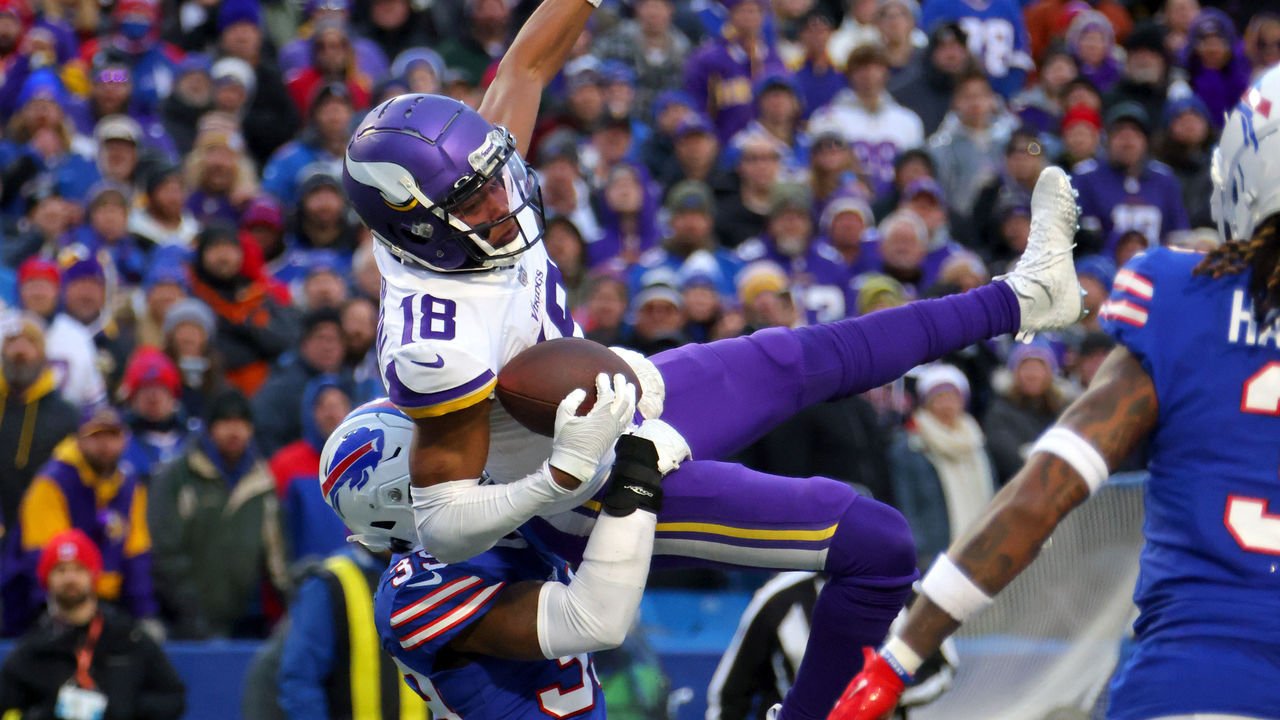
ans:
(437, 363)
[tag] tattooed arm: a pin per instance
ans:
(1114, 415)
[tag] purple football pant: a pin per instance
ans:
(722, 396)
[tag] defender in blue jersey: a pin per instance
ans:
(506, 634)
(1196, 377)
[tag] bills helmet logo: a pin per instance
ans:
(354, 461)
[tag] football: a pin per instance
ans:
(531, 386)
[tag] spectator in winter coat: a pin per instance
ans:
(190, 328)
(111, 93)
(218, 175)
(968, 147)
(875, 125)
(848, 226)
(925, 199)
(1092, 41)
(818, 76)
(778, 113)
(485, 32)
(135, 41)
(999, 40)
(649, 44)
(1185, 144)
(720, 74)
(84, 486)
(904, 245)
(1128, 190)
(84, 301)
(565, 193)
(396, 27)
(271, 118)
(1016, 417)
(856, 30)
(158, 429)
(333, 60)
(320, 147)
(1081, 135)
(1024, 158)
(33, 416)
(628, 218)
(359, 315)
(689, 241)
(1040, 106)
(215, 518)
(370, 60)
(312, 530)
(941, 475)
(744, 212)
(1047, 22)
(1146, 72)
(191, 97)
(68, 345)
(926, 89)
(1215, 61)
(320, 351)
(904, 43)
(817, 277)
(253, 329)
(106, 234)
(695, 154)
(161, 217)
(86, 645)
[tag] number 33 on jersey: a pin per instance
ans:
(422, 604)
(1213, 501)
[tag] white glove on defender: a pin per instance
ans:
(653, 391)
(580, 443)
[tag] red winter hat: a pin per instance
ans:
(1081, 113)
(150, 366)
(37, 267)
(69, 546)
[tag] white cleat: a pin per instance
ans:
(1045, 277)
(774, 712)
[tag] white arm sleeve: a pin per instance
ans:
(460, 519)
(595, 610)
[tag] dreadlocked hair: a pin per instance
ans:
(1260, 253)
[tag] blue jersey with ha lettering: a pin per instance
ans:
(1208, 636)
(422, 604)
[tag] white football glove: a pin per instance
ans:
(653, 391)
(580, 443)
(673, 449)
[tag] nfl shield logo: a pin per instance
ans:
(522, 276)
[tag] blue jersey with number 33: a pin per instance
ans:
(1209, 588)
(422, 604)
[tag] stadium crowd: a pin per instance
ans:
(192, 307)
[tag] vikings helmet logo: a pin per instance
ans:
(354, 461)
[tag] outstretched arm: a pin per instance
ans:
(1113, 417)
(535, 620)
(536, 55)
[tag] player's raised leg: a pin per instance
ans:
(723, 395)
(725, 515)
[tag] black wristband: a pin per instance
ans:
(635, 481)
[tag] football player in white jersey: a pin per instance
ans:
(466, 286)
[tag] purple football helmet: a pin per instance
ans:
(441, 186)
